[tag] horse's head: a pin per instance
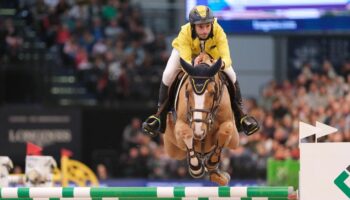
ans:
(202, 94)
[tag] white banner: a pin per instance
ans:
(324, 167)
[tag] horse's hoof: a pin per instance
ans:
(221, 178)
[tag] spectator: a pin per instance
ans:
(95, 9)
(61, 7)
(102, 172)
(80, 11)
(131, 134)
(12, 38)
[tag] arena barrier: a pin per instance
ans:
(138, 193)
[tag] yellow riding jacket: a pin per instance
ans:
(216, 45)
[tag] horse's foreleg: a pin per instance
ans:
(224, 137)
(234, 140)
(184, 134)
(225, 133)
(171, 144)
(171, 148)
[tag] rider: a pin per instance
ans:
(201, 34)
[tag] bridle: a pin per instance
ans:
(211, 111)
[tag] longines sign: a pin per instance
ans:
(50, 128)
(41, 137)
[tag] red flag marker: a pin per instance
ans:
(33, 149)
(66, 152)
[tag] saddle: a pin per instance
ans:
(173, 91)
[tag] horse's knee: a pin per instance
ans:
(226, 129)
(184, 132)
(234, 140)
(228, 126)
(225, 133)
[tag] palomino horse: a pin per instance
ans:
(204, 123)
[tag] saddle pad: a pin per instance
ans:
(178, 91)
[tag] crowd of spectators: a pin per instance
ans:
(315, 95)
(104, 42)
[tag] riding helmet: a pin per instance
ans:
(201, 15)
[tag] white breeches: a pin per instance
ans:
(173, 67)
(231, 74)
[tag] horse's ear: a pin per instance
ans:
(215, 67)
(189, 69)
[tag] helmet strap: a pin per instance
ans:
(193, 32)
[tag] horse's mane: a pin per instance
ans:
(203, 59)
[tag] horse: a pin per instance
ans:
(202, 123)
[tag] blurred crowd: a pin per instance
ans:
(104, 42)
(319, 94)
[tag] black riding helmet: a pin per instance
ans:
(201, 15)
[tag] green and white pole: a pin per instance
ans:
(155, 198)
(158, 192)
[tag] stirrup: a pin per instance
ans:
(252, 129)
(149, 127)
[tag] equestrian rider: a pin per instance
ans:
(201, 34)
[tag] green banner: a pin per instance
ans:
(283, 172)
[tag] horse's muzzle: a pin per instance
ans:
(201, 135)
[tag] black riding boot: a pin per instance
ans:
(156, 124)
(245, 123)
